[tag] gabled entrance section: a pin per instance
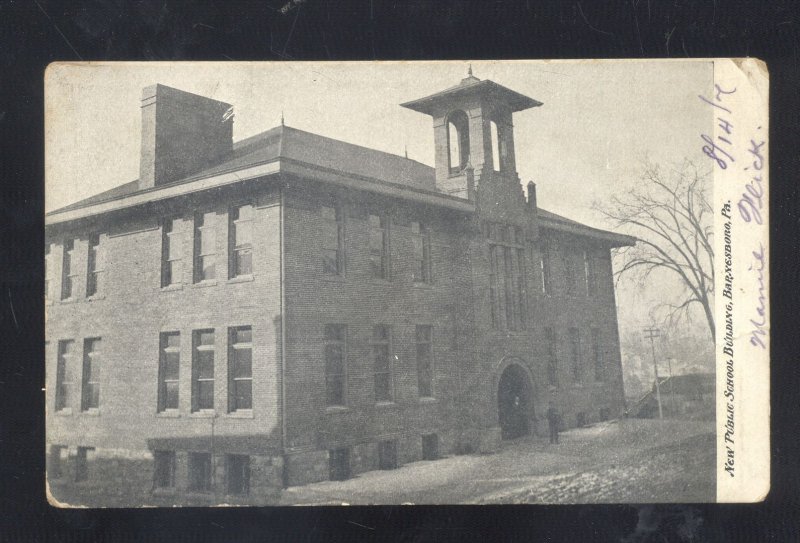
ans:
(514, 402)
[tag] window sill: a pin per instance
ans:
(386, 405)
(207, 283)
(423, 285)
(68, 301)
(241, 279)
(337, 409)
(241, 414)
(203, 414)
(95, 297)
(428, 399)
(172, 288)
(91, 412)
(66, 412)
(168, 414)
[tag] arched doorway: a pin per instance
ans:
(514, 402)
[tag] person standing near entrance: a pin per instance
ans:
(552, 421)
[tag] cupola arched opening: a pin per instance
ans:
(499, 149)
(457, 140)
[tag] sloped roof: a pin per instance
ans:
(472, 85)
(382, 172)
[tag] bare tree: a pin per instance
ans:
(670, 214)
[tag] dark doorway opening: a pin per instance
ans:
(514, 402)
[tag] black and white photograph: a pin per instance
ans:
(326, 283)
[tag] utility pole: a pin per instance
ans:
(671, 388)
(651, 334)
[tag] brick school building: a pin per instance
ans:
(291, 308)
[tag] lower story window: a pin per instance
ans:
(164, 469)
(238, 474)
(82, 463)
(430, 447)
(339, 464)
(55, 467)
(199, 472)
(387, 454)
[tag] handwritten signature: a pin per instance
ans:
(758, 333)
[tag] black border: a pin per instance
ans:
(40, 31)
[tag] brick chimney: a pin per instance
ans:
(182, 133)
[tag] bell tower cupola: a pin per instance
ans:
(473, 132)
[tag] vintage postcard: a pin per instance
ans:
(407, 282)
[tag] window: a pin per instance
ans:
(65, 379)
(507, 288)
(48, 270)
(240, 356)
(597, 352)
(94, 267)
(205, 247)
(422, 253)
(55, 465)
(575, 353)
(203, 370)
(589, 274)
(68, 273)
(552, 357)
(378, 246)
(497, 163)
(339, 464)
(332, 240)
(387, 455)
(545, 271)
(424, 361)
(458, 141)
(241, 241)
(430, 447)
(169, 371)
(90, 398)
(570, 281)
(82, 464)
(381, 349)
(237, 471)
(199, 472)
(335, 364)
(171, 254)
(163, 469)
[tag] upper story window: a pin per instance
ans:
(424, 340)
(69, 273)
(203, 370)
(422, 253)
(552, 356)
(332, 240)
(90, 399)
(48, 270)
(65, 376)
(570, 279)
(241, 241)
(205, 247)
(171, 254)
(378, 246)
(507, 285)
(545, 271)
(382, 353)
(240, 367)
(335, 364)
(94, 268)
(495, 137)
(597, 353)
(169, 371)
(590, 273)
(457, 141)
(574, 337)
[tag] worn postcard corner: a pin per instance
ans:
(333, 283)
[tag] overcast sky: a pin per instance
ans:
(586, 143)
